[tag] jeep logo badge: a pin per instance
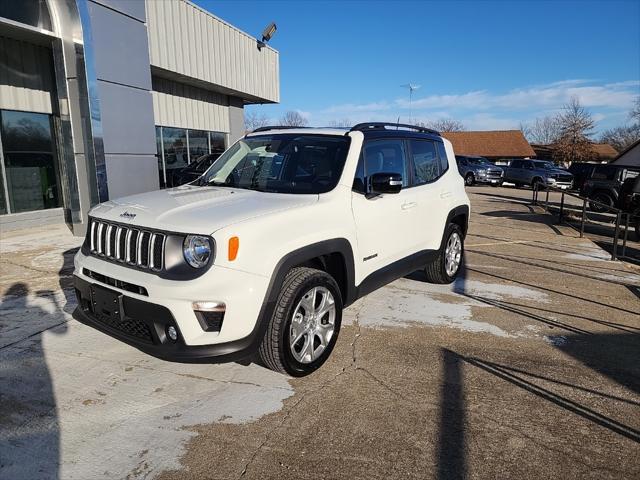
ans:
(127, 215)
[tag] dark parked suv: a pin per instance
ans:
(478, 170)
(605, 184)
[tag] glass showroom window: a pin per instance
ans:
(178, 147)
(176, 154)
(218, 141)
(198, 144)
(160, 157)
(30, 178)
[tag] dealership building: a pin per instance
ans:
(105, 98)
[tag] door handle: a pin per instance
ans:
(407, 206)
(445, 194)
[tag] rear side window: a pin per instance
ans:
(426, 164)
(442, 153)
(516, 164)
(604, 172)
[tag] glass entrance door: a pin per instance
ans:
(29, 173)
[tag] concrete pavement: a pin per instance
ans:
(526, 366)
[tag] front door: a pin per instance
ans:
(384, 222)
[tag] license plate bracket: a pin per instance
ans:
(106, 302)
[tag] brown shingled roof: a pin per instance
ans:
(492, 143)
(605, 151)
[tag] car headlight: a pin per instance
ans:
(482, 172)
(197, 250)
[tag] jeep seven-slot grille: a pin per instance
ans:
(135, 247)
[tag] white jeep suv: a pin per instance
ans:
(258, 257)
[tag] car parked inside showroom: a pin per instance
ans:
(194, 170)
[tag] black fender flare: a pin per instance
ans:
(342, 246)
(460, 210)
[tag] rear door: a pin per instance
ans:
(514, 171)
(433, 195)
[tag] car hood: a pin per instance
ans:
(193, 209)
(559, 171)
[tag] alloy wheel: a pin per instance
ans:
(453, 254)
(312, 325)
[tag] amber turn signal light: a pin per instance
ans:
(234, 246)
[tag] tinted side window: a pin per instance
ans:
(605, 172)
(386, 156)
(426, 164)
(516, 164)
(444, 163)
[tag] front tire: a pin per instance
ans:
(602, 197)
(538, 184)
(470, 180)
(305, 323)
(446, 266)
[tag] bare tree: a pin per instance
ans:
(621, 137)
(344, 122)
(625, 135)
(634, 114)
(293, 119)
(576, 126)
(445, 125)
(543, 131)
(525, 128)
(252, 120)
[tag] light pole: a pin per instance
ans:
(411, 87)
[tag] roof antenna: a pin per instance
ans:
(398, 123)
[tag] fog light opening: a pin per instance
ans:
(172, 333)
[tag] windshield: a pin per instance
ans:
(284, 163)
(545, 165)
(478, 161)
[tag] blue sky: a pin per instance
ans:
(490, 65)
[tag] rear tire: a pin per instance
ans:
(296, 304)
(446, 266)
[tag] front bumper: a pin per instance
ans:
(172, 301)
(143, 325)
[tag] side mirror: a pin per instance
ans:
(385, 183)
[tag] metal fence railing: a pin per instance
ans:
(622, 219)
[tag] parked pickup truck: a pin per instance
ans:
(478, 170)
(537, 173)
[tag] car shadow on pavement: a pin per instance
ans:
(29, 431)
(532, 217)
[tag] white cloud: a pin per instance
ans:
(483, 109)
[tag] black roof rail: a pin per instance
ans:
(274, 127)
(382, 126)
